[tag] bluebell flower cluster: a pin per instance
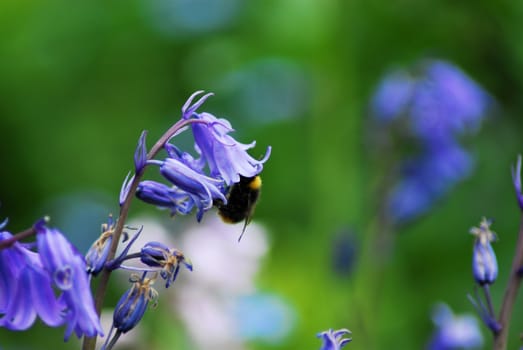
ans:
(197, 183)
(334, 340)
(29, 275)
(191, 184)
(50, 279)
(430, 107)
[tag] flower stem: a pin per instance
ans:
(89, 343)
(486, 290)
(6, 243)
(500, 338)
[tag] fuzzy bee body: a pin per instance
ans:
(241, 201)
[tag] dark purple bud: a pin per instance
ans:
(516, 180)
(140, 155)
(132, 305)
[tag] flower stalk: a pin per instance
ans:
(511, 291)
(6, 243)
(89, 343)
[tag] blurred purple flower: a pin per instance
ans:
(426, 179)
(393, 95)
(68, 272)
(333, 340)
(25, 289)
(454, 332)
(437, 98)
(438, 103)
(447, 102)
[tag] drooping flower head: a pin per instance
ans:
(96, 256)
(196, 182)
(25, 289)
(202, 189)
(133, 303)
(156, 254)
(334, 340)
(165, 197)
(484, 263)
(68, 272)
(226, 157)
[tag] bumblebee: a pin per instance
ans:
(241, 201)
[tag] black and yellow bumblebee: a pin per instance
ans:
(241, 201)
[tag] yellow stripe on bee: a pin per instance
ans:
(256, 183)
(226, 219)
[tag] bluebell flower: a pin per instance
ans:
(431, 105)
(163, 196)
(156, 254)
(427, 178)
(437, 99)
(185, 157)
(140, 155)
(226, 157)
(132, 305)
(96, 256)
(68, 271)
(25, 289)
(334, 340)
(516, 180)
(201, 188)
(454, 332)
(484, 263)
(393, 96)
(447, 103)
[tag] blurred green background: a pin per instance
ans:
(80, 80)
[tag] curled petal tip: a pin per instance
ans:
(4, 223)
(188, 108)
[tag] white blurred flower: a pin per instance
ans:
(224, 270)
